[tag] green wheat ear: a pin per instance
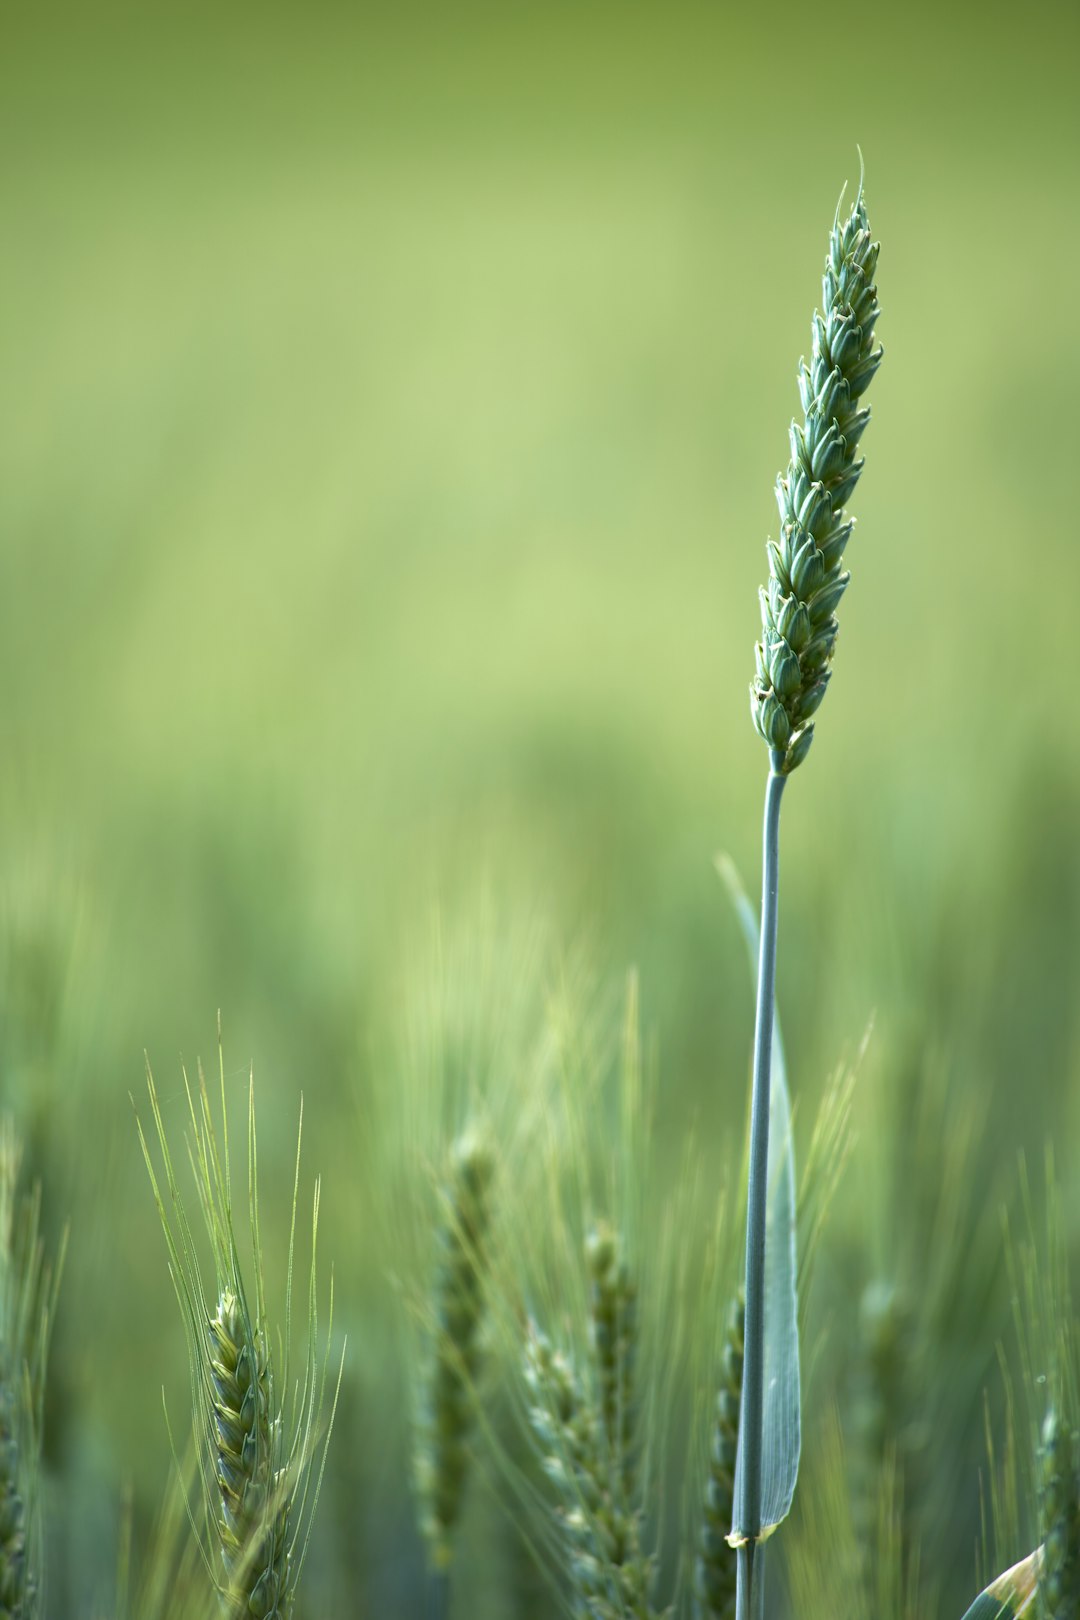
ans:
(28, 1287)
(806, 581)
(1059, 1520)
(583, 1421)
(599, 1526)
(449, 1409)
(258, 1434)
(613, 1340)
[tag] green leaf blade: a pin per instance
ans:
(782, 1432)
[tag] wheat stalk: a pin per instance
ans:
(164, 1583)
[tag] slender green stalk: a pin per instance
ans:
(748, 1522)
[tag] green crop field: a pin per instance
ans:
(391, 403)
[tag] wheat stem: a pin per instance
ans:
(749, 1503)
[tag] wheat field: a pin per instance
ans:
(391, 407)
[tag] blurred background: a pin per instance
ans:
(390, 407)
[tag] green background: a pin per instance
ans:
(390, 404)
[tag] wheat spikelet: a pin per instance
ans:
(252, 1529)
(568, 1433)
(715, 1570)
(806, 580)
(613, 1340)
(878, 1407)
(584, 1425)
(458, 1305)
(600, 1530)
(16, 1585)
(1059, 1520)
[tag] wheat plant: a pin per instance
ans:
(584, 1428)
(799, 632)
(28, 1284)
(259, 1428)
